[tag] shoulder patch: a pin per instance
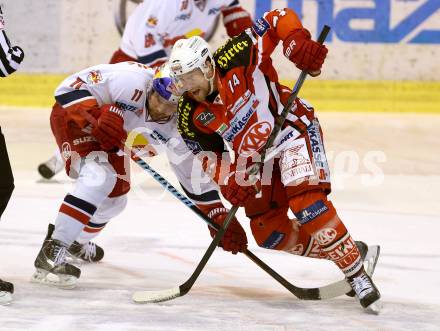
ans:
(194, 138)
(185, 110)
(261, 26)
(205, 117)
(236, 52)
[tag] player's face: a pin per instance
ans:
(160, 109)
(195, 83)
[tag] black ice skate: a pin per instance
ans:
(89, 252)
(6, 290)
(369, 256)
(366, 291)
(51, 265)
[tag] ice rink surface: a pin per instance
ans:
(156, 244)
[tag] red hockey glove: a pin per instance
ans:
(236, 20)
(110, 131)
(307, 54)
(239, 187)
(234, 239)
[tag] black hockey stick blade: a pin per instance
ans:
(178, 291)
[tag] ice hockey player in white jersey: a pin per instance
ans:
(10, 59)
(94, 110)
(154, 26)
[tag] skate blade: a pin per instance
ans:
(66, 282)
(5, 298)
(371, 259)
(76, 261)
(375, 308)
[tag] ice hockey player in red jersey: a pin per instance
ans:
(94, 110)
(234, 97)
(152, 30)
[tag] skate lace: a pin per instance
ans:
(60, 255)
(89, 250)
(361, 285)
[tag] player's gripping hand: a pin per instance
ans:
(239, 187)
(234, 239)
(307, 54)
(109, 130)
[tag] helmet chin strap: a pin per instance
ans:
(211, 84)
(211, 81)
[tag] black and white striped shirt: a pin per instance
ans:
(10, 57)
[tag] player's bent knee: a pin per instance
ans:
(312, 207)
(317, 216)
(110, 208)
(95, 182)
(273, 230)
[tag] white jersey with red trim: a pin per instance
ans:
(125, 85)
(155, 26)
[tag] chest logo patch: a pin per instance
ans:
(255, 138)
(205, 118)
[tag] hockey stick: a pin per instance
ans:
(178, 291)
(319, 293)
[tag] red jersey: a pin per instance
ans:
(242, 113)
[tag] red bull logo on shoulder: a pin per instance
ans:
(94, 77)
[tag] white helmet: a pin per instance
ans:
(190, 54)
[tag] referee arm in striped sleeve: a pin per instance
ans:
(10, 57)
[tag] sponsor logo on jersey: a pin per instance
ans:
(94, 77)
(152, 21)
(193, 145)
(311, 212)
(183, 119)
(326, 236)
(285, 138)
(274, 239)
(238, 123)
(255, 138)
(149, 40)
(295, 162)
(344, 254)
(225, 55)
(205, 118)
(261, 26)
(319, 157)
(127, 107)
(158, 136)
(295, 156)
(83, 140)
(240, 102)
